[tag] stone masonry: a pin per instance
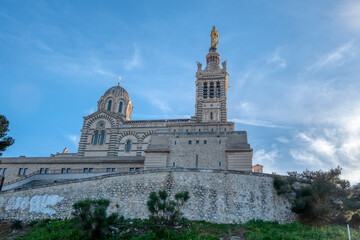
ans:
(218, 196)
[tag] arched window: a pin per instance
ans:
(102, 138)
(211, 116)
(211, 90)
(96, 136)
(120, 106)
(205, 90)
(109, 105)
(218, 89)
(128, 146)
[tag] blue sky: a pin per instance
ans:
(294, 72)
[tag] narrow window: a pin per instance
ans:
(0, 171)
(137, 169)
(20, 171)
(199, 130)
(219, 141)
(197, 161)
(211, 116)
(212, 129)
(120, 106)
(225, 129)
(46, 171)
(197, 141)
(189, 142)
(187, 130)
(108, 170)
(128, 146)
(211, 90)
(41, 171)
(175, 143)
(205, 142)
(96, 136)
(131, 169)
(5, 170)
(174, 164)
(91, 170)
(109, 105)
(174, 130)
(205, 90)
(85, 170)
(25, 171)
(102, 138)
(63, 171)
(113, 170)
(218, 89)
(219, 164)
(68, 170)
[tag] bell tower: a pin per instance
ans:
(211, 86)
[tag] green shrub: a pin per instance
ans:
(16, 225)
(319, 196)
(92, 219)
(165, 213)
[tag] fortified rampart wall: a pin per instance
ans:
(215, 195)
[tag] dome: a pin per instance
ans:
(116, 100)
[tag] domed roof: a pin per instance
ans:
(117, 91)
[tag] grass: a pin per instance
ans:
(195, 230)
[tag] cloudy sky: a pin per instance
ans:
(294, 72)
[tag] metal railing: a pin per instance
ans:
(67, 171)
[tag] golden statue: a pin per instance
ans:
(214, 38)
(66, 150)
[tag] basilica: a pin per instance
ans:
(112, 142)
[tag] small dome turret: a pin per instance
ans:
(116, 100)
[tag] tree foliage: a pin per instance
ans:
(5, 141)
(92, 217)
(165, 212)
(320, 196)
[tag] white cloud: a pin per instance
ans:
(282, 139)
(276, 59)
(267, 159)
(134, 62)
(256, 123)
(74, 139)
(336, 57)
(89, 111)
(350, 15)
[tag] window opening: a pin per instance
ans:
(137, 169)
(46, 171)
(218, 89)
(174, 164)
(131, 169)
(85, 170)
(211, 90)
(113, 170)
(109, 105)
(25, 171)
(175, 143)
(1, 171)
(20, 171)
(120, 106)
(189, 142)
(68, 170)
(128, 146)
(108, 170)
(205, 142)
(102, 138)
(63, 171)
(219, 164)
(197, 161)
(96, 136)
(197, 141)
(5, 170)
(211, 116)
(205, 90)
(91, 170)
(41, 171)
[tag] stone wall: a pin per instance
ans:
(216, 196)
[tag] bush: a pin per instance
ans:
(16, 225)
(167, 213)
(91, 216)
(319, 196)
